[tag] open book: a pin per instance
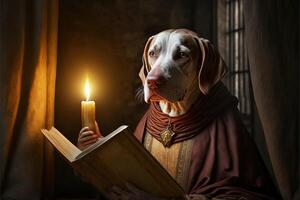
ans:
(114, 160)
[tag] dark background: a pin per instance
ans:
(105, 40)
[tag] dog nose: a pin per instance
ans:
(155, 81)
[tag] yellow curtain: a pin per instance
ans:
(28, 43)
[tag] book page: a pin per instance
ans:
(61, 143)
(101, 141)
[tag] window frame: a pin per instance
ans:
(232, 47)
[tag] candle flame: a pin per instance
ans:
(87, 90)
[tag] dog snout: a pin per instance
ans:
(155, 81)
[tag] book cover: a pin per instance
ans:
(114, 160)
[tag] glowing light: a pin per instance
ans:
(87, 89)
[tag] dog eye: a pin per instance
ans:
(151, 53)
(182, 55)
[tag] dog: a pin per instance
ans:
(192, 126)
(172, 58)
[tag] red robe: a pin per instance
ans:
(225, 161)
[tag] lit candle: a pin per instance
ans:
(88, 109)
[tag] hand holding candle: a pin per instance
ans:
(87, 137)
(89, 133)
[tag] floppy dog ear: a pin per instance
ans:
(145, 67)
(212, 67)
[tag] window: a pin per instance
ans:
(231, 42)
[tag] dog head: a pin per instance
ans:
(175, 62)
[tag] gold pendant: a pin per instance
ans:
(166, 136)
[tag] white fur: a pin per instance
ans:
(180, 73)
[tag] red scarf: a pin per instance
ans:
(201, 113)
